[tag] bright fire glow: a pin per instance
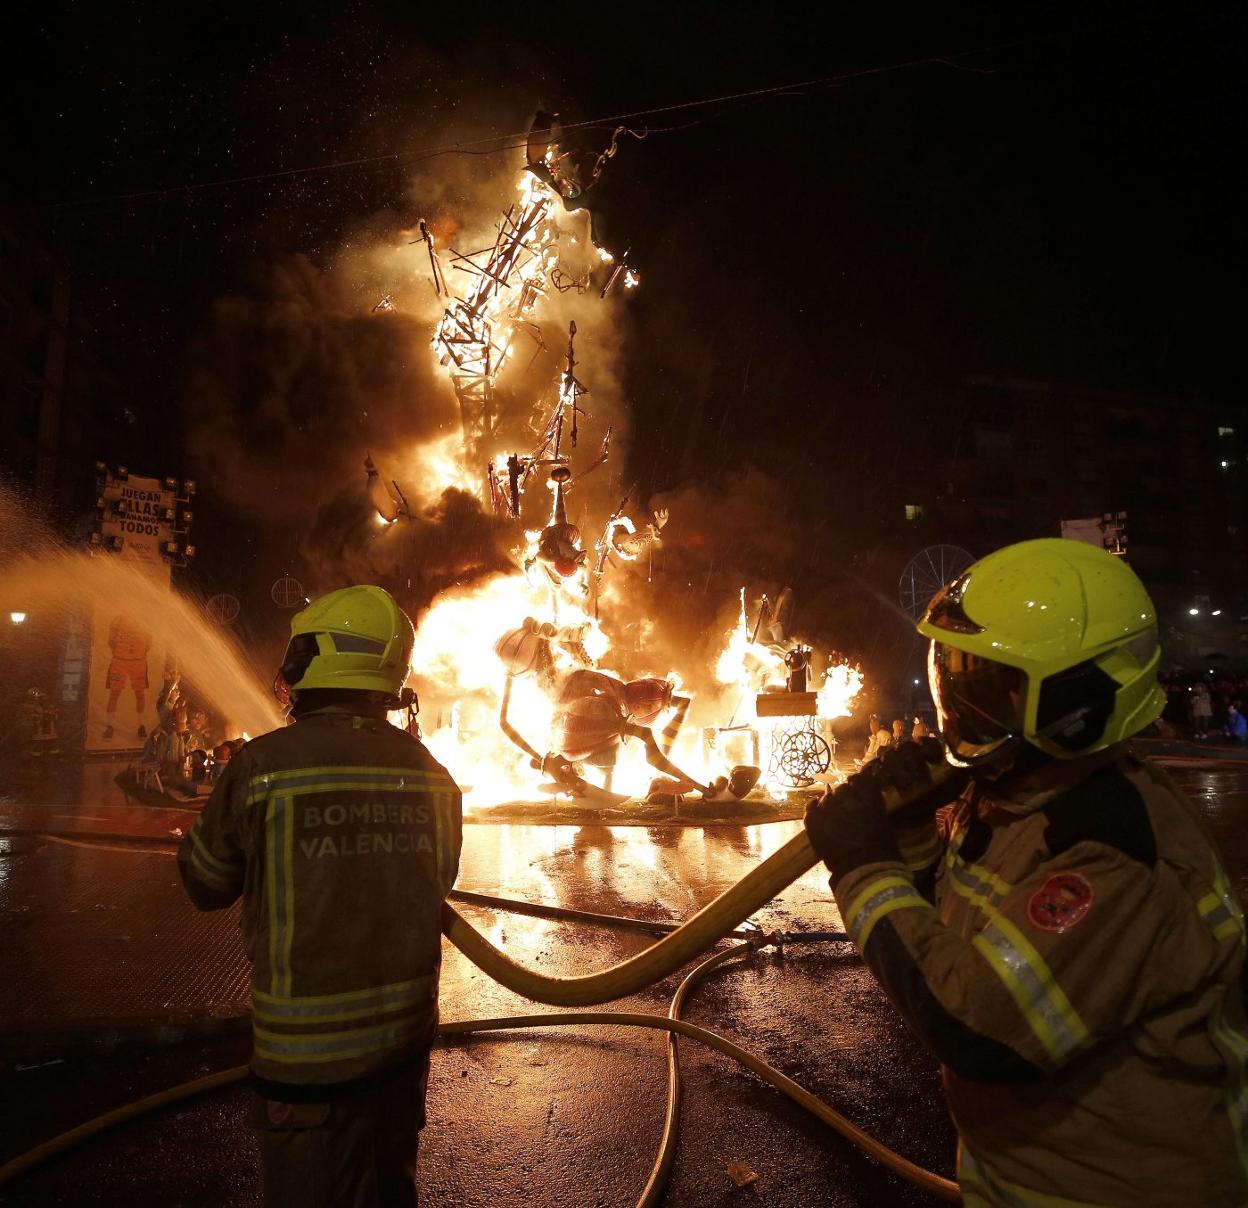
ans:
(752, 667)
(841, 684)
(459, 676)
(431, 468)
(747, 663)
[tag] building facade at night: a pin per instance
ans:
(49, 378)
(1024, 456)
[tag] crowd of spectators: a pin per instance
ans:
(1207, 706)
(881, 737)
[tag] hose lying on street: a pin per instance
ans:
(162, 847)
(652, 964)
(661, 1171)
(940, 1187)
(944, 1188)
(694, 937)
(568, 915)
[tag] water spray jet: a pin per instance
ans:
(48, 578)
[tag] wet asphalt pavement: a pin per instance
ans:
(572, 1117)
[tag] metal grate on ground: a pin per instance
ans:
(98, 936)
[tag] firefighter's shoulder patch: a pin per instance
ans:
(1061, 903)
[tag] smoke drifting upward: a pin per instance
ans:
(292, 383)
(447, 543)
(723, 536)
(319, 363)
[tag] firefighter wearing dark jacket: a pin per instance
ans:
(1064, 938)
(342, 834)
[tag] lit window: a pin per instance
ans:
(913, 511)
(1226, 431)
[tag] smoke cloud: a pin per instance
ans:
(319, 362)
(294, 381)
(450, 542)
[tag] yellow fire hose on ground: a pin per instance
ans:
(690, 940)
(943, 1189)
(675, 949)
(654, 963)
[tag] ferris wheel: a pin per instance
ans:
(927, 572)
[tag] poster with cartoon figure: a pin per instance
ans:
(129, 644)
(127, 660)
(126, 668)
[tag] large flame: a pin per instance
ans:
(746, 662)
(842, 682)
(507, 289)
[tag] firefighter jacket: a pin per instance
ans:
(342, 834)
(1074, 954)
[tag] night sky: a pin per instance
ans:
(1061, 199)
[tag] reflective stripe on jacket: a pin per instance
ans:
(1075, 957)
(342, 833)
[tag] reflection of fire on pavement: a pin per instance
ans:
(524, 661)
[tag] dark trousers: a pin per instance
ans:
(357, 1151)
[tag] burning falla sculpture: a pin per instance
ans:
(596, 713)
(506, 285)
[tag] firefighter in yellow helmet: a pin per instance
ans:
(1066, 940)
(342, 834)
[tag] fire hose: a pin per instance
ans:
(941, 1188)
(701, 932)
(688, 941)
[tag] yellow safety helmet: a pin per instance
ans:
(357, 638)
(1051, 642)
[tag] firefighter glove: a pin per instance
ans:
(848, 826)
(907, 771)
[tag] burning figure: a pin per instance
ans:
(385, 496)
(630, 543)
(559, 546)
(622, 537)
(594, 712)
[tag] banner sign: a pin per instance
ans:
(140, 512)
(127, 660)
